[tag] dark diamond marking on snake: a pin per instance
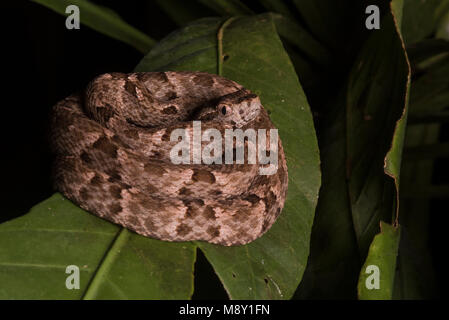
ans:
(116, 192)
(115, 208)
(185, 192)
(114, 175)
(131, 133)
(183, 229)
(105, 145)
(213, 231)
(203, 81)
(203, 175)
(85, 157)
(209, 213)
(170, 110)
(131, 88)
(84, 194)
(252, 198)
(105, 112)
(171, 95)
(96, 180)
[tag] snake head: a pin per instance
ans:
(239, 107)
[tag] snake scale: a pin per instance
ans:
(112, 157)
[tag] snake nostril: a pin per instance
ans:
(223, 110)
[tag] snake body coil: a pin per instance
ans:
(112, 145)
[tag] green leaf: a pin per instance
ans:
(443, 21)
(387, 100)
(415, 273)
(382, 254)
(376, 115)
(421, 18)
(334, 261)
(333, 22)
(307, 54)
(103, 20)
(304, 50)
(121, 264)
(113, 262)
(302, 40)
(272, 266)
(427, 50)
(278, 6)
(430, 91)
(392, 278)
(415, 277)
(392, 161)
(356, 133)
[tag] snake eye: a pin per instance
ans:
(223, 110)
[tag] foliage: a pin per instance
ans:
(371, 92)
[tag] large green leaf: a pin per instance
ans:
(334, 22)
(391, 111)
(360, 127)
(376, 115)
(121, 264)
(272, 266)
(383, 250)
(306, 53)
(296, 35)
(113, 262)
(334, 261)
(421, 19)
(104, 21)
(429, 98)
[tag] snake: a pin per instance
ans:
(112, 145)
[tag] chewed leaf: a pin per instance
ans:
(377, 275)
(361, 140)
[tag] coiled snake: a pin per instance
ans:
(112, 145)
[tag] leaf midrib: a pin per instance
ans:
(105, 264)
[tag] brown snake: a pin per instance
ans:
(112, 145)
